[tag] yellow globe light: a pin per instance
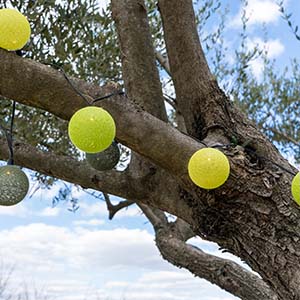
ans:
(208, 168)
(14, 29)
(296, 188)
(92, 129)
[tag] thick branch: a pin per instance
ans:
(170, 239)
(226, 274)
(200, 101)
(71, 170)
(37, 85)
(140, 74)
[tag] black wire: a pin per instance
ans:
(75, 88)
(109, 95)
(77, 91)
(9, 135)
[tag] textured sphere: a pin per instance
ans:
(14, 185)
(105, 160)
(296, 188)
(208, 168)
(92, 129)
(14, 29)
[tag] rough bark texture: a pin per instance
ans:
(252, 215)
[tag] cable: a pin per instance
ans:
(109, 95)
(9, 135)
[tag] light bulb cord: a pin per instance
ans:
(9, 135)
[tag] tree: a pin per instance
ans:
(252, 216)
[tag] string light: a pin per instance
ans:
(193, 169)
(105, 160)
(14, 29)
(92, 129)
(208, 168)
(295, 188)
(14, 185)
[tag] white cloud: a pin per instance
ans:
(166, 285)
(258, 12)
(49, 212)
(273, 48)
(92, 222)
(115, 264)
(18, 210)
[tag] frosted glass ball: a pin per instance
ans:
(295, 188)
(14, 29)
(92, 129)
(14, 185)
(208, 168)
(105, 160)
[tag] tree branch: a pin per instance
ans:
(71, 170)
(170, 239)
(199, 98)
(138, 58)
(164, 62)
(225, 273)
(37, 85)
(113, 209)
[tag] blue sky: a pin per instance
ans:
(83, 255)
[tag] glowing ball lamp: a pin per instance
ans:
(92, 129)
(14, 29)
(208, 168)
(296, 188)
(14, 185)
(105, 160)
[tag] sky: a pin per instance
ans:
(83, 255)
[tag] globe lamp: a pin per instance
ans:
(92, 129)
(14, 29)
(105, 160)
(296, 188)
(208, 168)
(14, 185)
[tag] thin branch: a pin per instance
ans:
(168, 100)
(113, 209)
(157, 217)
(164, 62)
(286, 137)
